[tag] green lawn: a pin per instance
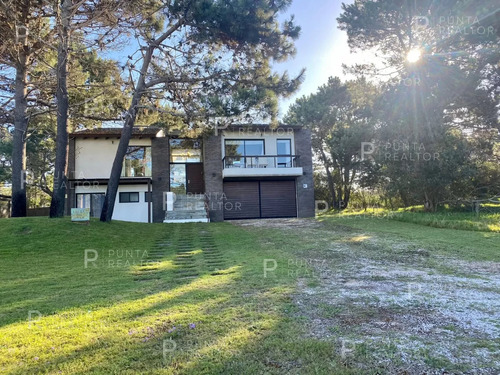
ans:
(488, 219)
(204, 306)
(420, 228)
(100, 320)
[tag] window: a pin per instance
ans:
(147, 197)
(284, 147)
(244, 147)
(185, 151)
(178, 179)
(94, 201)
(129, 197)
(137, 162)
(243, 153)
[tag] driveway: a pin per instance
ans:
(391, 304)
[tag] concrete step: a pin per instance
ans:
(188, 212)
(188, 216)
(187, 208)
(179, 198)
(205, 220)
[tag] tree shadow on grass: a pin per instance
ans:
(114, 350)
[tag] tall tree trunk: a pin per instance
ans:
(60, 169)
(347, 182)
(19, 201)
(428, 203)
(347, 196)
(404, 197)
(331, 184)
(116, 170)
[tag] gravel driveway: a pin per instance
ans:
(392, 305)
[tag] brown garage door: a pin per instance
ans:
(242, 200)
(277, 199)
(259, 199)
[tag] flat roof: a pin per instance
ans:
(153, 132)
(146, 131)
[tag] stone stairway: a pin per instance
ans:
(188, 209)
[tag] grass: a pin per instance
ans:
(100, 320)
(119, 316)
(460, 243)
(488, 219)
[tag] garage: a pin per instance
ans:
(259, 199)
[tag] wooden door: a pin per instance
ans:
(194, 178)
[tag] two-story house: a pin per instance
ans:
(242, 172)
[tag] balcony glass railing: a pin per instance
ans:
(261, 161)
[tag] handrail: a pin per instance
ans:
(261, 161)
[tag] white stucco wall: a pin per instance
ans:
(94, 157)
(135, 212)
(270, 137)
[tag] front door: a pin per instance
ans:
(194, 177)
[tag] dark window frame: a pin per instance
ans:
(284, 139)
(146, 149)
(197, 145)
(286, 157)
(244, 146)
(129, 193)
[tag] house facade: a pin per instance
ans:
(241, 172)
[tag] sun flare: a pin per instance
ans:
(414, 55)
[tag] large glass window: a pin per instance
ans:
(243, 153)
(178, 178)
(93, 201)
(244, 147)
(185, 151)
(137, 162)
(284, 147)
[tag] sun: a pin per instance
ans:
(414, 55)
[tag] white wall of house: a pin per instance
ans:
(270, 138)
(135, 212)
(94, 157)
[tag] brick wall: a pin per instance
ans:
(160, 155)
(212, 170)
(305, 183)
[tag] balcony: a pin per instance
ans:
(261, 166)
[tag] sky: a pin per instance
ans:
(321, 48)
